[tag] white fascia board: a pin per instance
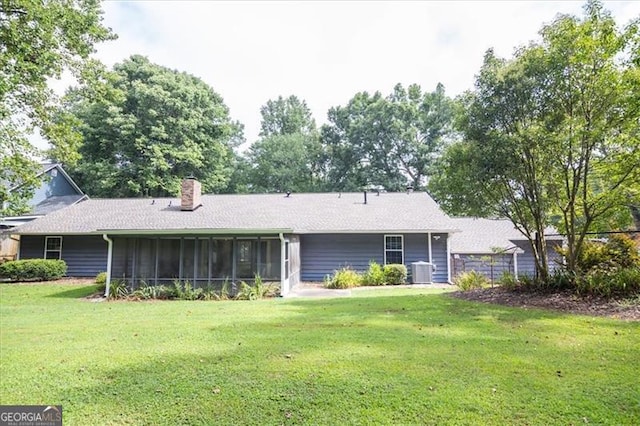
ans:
(485, 252)
(207, 231)
(376, 231)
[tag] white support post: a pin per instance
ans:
(448, 260)
(109, 260)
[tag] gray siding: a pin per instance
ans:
(85, 255)
(439, 257)
(527, 263)
(52, 186)
(322, 254)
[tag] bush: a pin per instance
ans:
(344, 278)
(618, 282)
(559, 280)
(146, 291)
(619, 251)
(101, 281)
(118, 289)
(508, 281)
(471, 280)
(33, 269)
(374, 275)
(259, 290)
(395, 274)
(623, 251)
(185, 291)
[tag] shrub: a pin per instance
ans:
(374, 275)
(118, 289)
(225, 290)
(259, 290)
(101, 281)
(33, 269)
(471, 280)
(395, 274)
(185, 291)
(508, 281)
(618, 282)
(559, 280)
(146, 291)
(623, 251)
(344, 278)
(619, 251)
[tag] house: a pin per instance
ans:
(494, 246)
(56, 191)
(207, 239)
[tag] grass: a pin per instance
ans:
(398, 356)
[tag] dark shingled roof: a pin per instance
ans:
(480, 235)
(298, 213)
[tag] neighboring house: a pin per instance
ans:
(494, 246)
(211, 238)
(56, 191)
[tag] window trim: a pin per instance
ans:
(46, 245)
(385, 249)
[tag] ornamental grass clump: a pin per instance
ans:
(471, 280)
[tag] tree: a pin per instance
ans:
(286, 117)
(551, 136)
(283, 163)
(39, 41)
(151, 128)
(287, 156)
(388, 142)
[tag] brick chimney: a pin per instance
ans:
(190, 197)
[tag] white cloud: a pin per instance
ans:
(325, 52)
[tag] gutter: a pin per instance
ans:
(109, 259)
(191, 231)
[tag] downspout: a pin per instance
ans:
(109, 258)
(430, 253)
(448, 260)
(282, 264)
(515, 264)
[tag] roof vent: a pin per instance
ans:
(190, 198)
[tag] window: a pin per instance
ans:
(53, 247)
(393, 249)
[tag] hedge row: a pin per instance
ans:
(33, 270)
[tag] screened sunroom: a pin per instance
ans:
(201, 260)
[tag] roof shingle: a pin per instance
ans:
(297, 213)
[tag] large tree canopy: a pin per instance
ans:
(551, 136)
(388, 142)
(152, 127)
(39, 40)
(287, 156)
(286, 116)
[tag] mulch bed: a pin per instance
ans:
(563, 302)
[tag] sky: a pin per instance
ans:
(325, 52)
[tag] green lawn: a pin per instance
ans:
(392, 356)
